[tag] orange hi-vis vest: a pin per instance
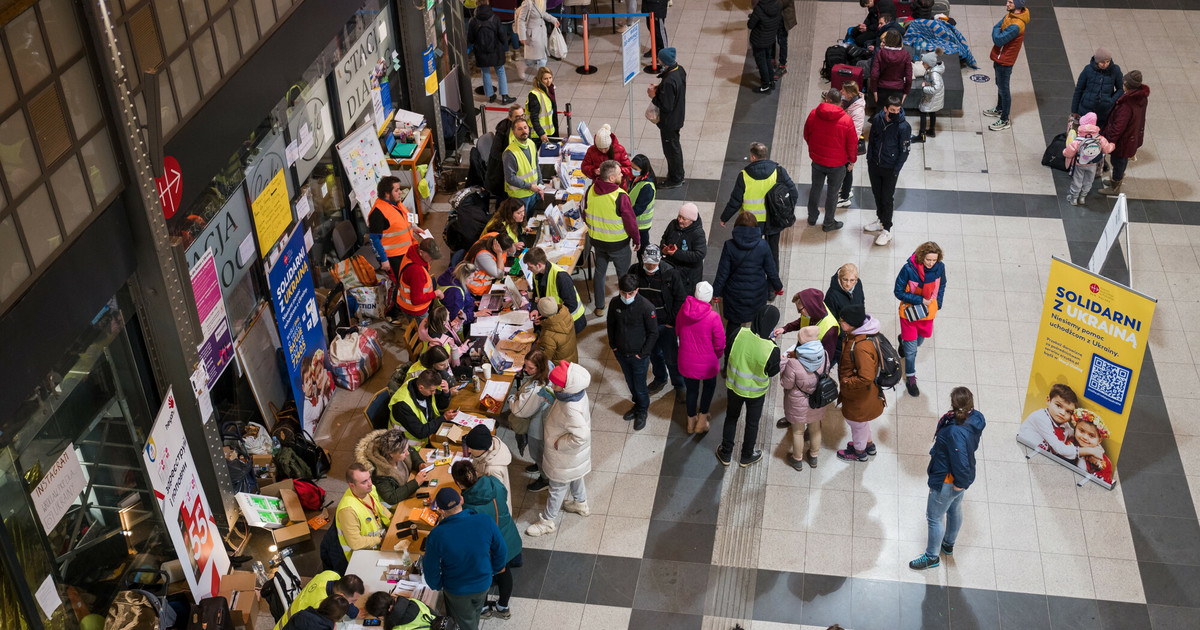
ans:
(399, 235)
(404, 293)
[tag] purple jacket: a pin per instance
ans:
(701, 339)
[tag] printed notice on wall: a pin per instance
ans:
(216, 349)
(272, 212)
(47, 597)
(59, 489)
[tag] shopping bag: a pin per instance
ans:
(652, 113)
(557, 44)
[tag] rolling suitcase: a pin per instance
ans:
(845, 72)
(904, 9)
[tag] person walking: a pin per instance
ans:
(658, 282)
(833, 148)
(750, 193)
(746, 275)
(861, 399)
(567, 457)
(552, 281)
(891, 70)
(701, 344)
(462, 554)
(753, 361)
(487, 38)
(887, 151)
(856, 106)
(530, 27)
(484, 494)
(1099, 86)
(388, 224)
(802, 367)
(1007, 37)
(765, 22)
(557, 337)
(669, 95)
(542, 106)
(522, 180)
(920, 287)
(789, 22)
(1126, 129)
(633, 335)
(612, 227)
(951, 472)
(684, 245)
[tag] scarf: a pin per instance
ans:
(565, 397)
(811, 355)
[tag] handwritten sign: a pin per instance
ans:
(60, 487)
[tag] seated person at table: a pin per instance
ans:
(436, 358)
(323, 617)
(489, 454)
(410, 614)
(550, 280)
(509, 219)
(394, 465)
(362, 518)
(481, 494)
(439, 330)
(462, 553)
(415, 290)
(557, 338)
(490, 256)
(456, 297)
(419, 408)
(323, 585)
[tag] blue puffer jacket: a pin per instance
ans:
(746, 274)
(953, 451)
(1098, 90)
(889, 141)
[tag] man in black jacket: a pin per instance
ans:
(758, 174)
(684, 245)
(867, 33)
(887, 150)
(764, 24)
(420, 407)
(670, 96)
(660, 283)
(632, 335)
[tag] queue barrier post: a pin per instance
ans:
(587, 67)
(653, 67)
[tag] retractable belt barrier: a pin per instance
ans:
(587, 68)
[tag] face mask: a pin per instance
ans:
(637, 173)
(628, 300)
(651, 269)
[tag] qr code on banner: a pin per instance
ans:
(1108, 383)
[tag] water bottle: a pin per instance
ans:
(260, 573)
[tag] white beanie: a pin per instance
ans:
(704, 291)
(603, 138)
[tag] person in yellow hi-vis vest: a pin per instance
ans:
(362, 517)
(552, 281)
(750, 194)
(323, 585)
(611, 226)
(419, 407)
(522, 180)
(753, 360)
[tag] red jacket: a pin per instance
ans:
(829, 132)
(1126, 124)
(595, 157)
(416, 278)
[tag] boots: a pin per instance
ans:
(702, 423)
(691, 424)
(1113, 188)
(522, 442)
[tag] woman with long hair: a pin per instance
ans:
(642, 193)
(542, 106)
(509, 219)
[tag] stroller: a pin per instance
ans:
(136, 607)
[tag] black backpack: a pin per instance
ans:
(781, 207)
(825, 392)
(891, 366)
(468, 215)
(281, 590)
(834, 55)
(212, 613)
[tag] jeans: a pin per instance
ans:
(883, 188)
(1118, 167)
(1003, 95)
(762, 57)
(487, 81)
(847, 185)
(620, 258)
(910, 355)
(860, 434)
(558, 492)
(781, 40)
(673, 152)
(465, 609)
(635, 370)
(665, 358)
(514, 42)
(945, 502)
(702, 390)
(820, 173)
(1081, 181)
(754, 407)
(539, 63)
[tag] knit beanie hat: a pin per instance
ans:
(1102, 54)
(1018, 4)
(704, 291)
(689, 211)
(854, 315)
(930, 59)
(1088, 119)
(1133, 80)
(667, 56)
(603, 138)
(558, 375)
(478, 438)
(547, 306)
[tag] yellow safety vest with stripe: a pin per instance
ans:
(604, 224)
(754, 198)
(404, 395)
(526, 168)
(423, 620)
(552, 290)
(546, 118)
(370, 522)
(746, 375)
(645, 219)
(310, 596)
(827, 322)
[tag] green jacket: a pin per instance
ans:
(489, 498)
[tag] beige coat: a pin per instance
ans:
(494, 462)
(530, 25)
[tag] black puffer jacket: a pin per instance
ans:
(486, 36)
(746, 275)
(837, 298)
(494, 180)
(1097, 91)
(764, 23)
(691, 248)
(671, 98)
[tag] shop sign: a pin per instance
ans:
(300, 330)
(272, 212)
(170, 187)
(216, 349)
(310, 127)
(226, 232)
(430, 64)
(59, 488)
(354, 70)
(182, 502)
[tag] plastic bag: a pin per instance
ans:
(652, 113)
(369, 302)
(556, 45)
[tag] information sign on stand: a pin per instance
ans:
(631, 55)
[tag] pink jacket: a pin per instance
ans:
(797, 383)
(701, 339)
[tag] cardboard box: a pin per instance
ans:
(238, 588)
(298, 530)
(261, 460)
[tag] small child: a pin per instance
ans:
(1086, 152)
(1049, 429)
(1089, 431)
(933, 93)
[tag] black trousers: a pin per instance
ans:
(673, 151)
(883, 187)
(781, 41)
(762, 57)
(932, 121)
(660, 30)
(773, 243)
(754, 407)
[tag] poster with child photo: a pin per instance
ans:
(1070, 432)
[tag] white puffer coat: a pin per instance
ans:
(933, 94)
(568, 430)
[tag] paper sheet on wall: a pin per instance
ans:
(47, 597)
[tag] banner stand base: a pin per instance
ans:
(586, 70)
(1030, 451)
(650, 69)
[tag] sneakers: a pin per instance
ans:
(532, 468)
(576, 507)
(870, 450)
(780, 70)
(911, 385)
(811, 460)
(917, 139)
(541, 528)
(795, 463)
(924, 562)
(538, 485)
(724, 458)
(1074, 201)
(765, 88)
(1000, 125)
(849, 454)
(836, 225)
(844, 202)
(495, 612)
(992, 113)
(669, 185)
(656, 386)
(947, 548)
(750, 460)
(884, 237)
(874, 226)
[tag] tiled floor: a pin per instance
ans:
(677, 541)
